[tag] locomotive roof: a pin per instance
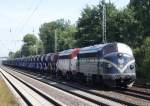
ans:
(92, 49)
(66, 52)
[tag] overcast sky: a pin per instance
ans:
(19, 17)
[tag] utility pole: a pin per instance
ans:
(104, 23)
(55, 46)
(36, 44)
(36, 47)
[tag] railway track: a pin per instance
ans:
(139, 91)
(97, 100)
(126, 97)
(25, 90)
(146, 86)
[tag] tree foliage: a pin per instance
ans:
(141, 10)
(121, 25)
(88, 27)
(40, 47)
(31, 45)
(142, 55)
(146, 61)
(30, 39)
(64, 32)
(142, 14)
(17, 54)
(11, 54)
(28, 50)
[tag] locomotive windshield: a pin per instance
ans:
(109, 49)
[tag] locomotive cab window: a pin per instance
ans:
(109, 49)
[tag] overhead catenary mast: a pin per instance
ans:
(36, 44)
(104, 23)
(55, 45)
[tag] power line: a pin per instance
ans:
(29, 17)
(24, 17)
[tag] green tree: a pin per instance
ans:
(30, 39)
(64, 32)
(121, 25)
(127, 28)
(30, 45)
(17, 54)
(66, 38)
(142, 55)
(141, 10)
(28, 50)
(146, 60)
(40, 47)
(89, 26)
(142, 14)
(11, 54)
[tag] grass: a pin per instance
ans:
(6, 97)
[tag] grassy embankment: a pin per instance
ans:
(6, 97)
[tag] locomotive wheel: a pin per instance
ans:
(81, 78)
(68, 76)
(97, 81)
(94, 80)
(59, 74)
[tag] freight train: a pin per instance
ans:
(111, 64)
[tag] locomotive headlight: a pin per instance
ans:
(132, 67)
(120, 58)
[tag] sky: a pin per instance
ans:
(19, 17)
